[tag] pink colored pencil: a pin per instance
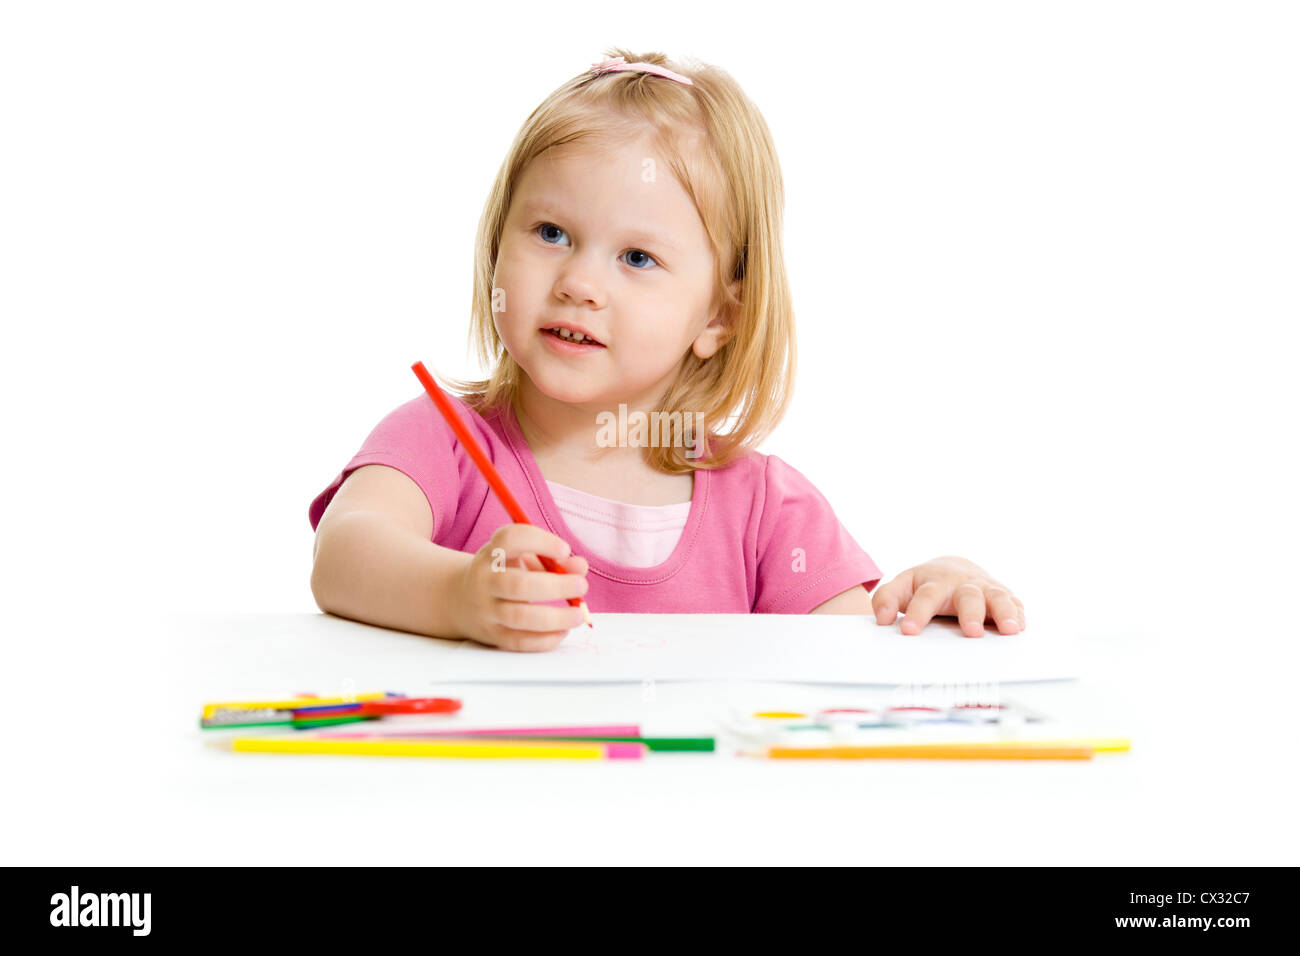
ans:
(614, 730)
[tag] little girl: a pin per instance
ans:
(630, 297)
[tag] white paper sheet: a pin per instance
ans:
(829, 649)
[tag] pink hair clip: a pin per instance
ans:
(618, 65)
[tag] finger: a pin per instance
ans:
(527, 641)
(1003, 609)
(890, 597)
(968, 598)
(926, 602)
(518, 584)
(575, 564)
(520, 539)
(520, 616)
(885, 603)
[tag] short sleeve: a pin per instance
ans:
(806, 556)
(417, 441)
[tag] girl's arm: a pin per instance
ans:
(856, 600)
(374, 561)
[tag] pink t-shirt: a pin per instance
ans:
(759, 538)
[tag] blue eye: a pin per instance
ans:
(638, 252)
(547, 226)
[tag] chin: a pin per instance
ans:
(555, 385)
(568, 392)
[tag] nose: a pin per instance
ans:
(576, 284)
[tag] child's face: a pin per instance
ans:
(604, 238)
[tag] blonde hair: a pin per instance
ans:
(731, 173)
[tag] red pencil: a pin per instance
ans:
(489, 472)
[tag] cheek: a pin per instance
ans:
(643, 340)
(516, 289)
(661, 323)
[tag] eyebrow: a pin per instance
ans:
(541, 207)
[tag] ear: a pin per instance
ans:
(720, 328)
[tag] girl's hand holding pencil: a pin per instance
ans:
(505, 578)
(496, 602)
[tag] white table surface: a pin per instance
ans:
(151, 788)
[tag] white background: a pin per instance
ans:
(1044, 258)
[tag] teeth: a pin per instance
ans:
(572, 336)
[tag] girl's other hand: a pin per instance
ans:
(499, 586)
(948, 587)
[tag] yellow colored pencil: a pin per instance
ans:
(984, 750)
(1099, 744)
(514, 749)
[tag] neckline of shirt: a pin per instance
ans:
(555, 522)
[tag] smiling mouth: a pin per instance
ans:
(573, 338)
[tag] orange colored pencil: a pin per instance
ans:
(489, 472)
(984, 751)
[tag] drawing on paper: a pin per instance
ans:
(587, 646)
